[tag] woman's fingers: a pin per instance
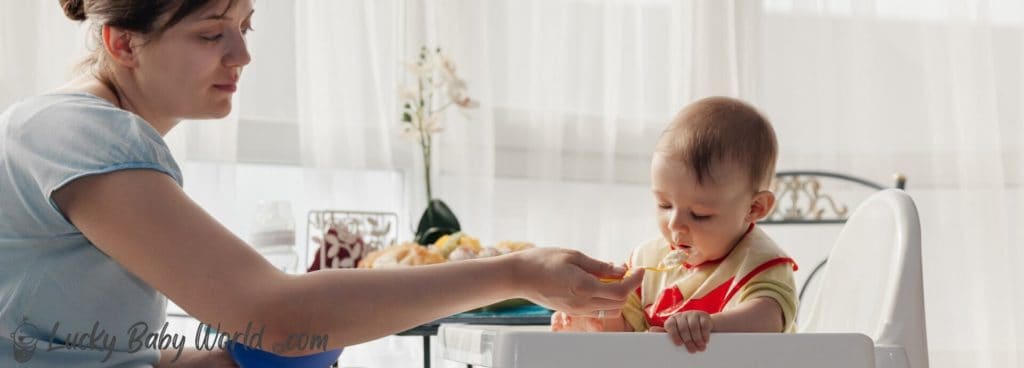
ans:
(598, 268)
(618, 290)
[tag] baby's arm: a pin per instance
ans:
(693, 328)
(766, 304)
(761, 314)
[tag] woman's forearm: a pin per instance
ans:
(354, 306)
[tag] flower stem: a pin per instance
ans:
(425, 138)
(426, 166)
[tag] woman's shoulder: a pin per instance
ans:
(68, 134)
(76, 122)
(67, 111)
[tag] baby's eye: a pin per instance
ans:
(664, 206)
(697, 217)
(213, 37)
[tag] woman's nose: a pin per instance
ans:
(238, 52)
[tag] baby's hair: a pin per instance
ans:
(714, 129)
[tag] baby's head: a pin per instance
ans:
(710, 176)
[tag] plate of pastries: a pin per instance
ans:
(448, 248)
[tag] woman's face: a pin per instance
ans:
(191, 70)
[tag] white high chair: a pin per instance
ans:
(869, 313)
(872, 283)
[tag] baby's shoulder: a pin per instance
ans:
(759, 242)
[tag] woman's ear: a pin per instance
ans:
(761, 206)
(118, 45)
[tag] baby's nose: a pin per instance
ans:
(680, 237)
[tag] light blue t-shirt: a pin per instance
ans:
(50, 274)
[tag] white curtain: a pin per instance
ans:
(573, 94)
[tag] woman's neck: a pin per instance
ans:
(117, 96)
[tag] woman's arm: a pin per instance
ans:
(193, 358)
(145, 222)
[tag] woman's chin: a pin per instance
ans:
(216, 112)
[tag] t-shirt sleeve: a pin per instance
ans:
(76, 139)
(633, 312)
(776, 283)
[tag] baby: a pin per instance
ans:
(712, 269)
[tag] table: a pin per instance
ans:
(531, 315)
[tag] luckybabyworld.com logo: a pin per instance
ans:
(24, 338)
(27, 336)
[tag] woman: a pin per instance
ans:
(95, 229)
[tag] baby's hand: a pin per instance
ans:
(561, 321)
(690, 328)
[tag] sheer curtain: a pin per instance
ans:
(932, 90)
(575, 92)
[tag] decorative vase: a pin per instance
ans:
(437, 220)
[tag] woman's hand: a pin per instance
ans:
(567, 280)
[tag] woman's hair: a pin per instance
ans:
(141, 16)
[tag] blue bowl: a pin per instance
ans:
(248, 357)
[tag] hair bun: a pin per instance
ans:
(74, 9)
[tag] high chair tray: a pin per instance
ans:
(536, 347)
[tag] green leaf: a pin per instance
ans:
(406, 117)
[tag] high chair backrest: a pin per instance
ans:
(872, 283)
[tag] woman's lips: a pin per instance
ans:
(226, 87)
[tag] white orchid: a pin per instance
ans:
(433, 123)
(407, 93)
(436, 87)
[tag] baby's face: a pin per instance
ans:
(703, 220)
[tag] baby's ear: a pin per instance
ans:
(761, 206)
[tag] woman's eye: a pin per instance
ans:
(212, 38)
(664, 206)
(699, 217)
